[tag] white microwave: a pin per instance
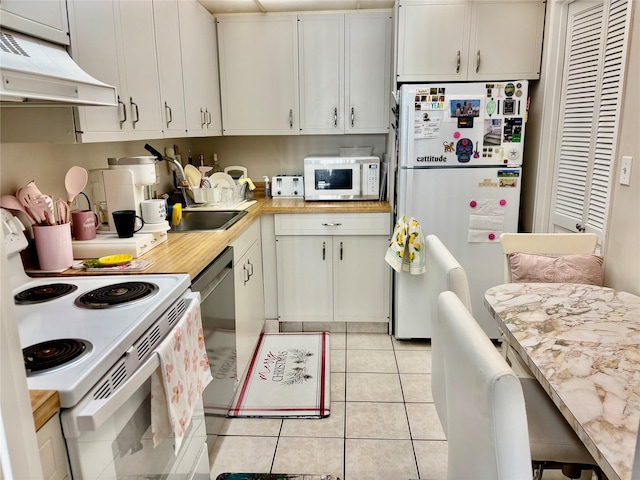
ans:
(341, 178)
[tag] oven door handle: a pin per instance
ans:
(98, 411)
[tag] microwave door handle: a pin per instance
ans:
(92, 416)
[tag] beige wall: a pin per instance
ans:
(47, 163)
(622, 250)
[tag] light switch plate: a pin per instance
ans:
(625, 171)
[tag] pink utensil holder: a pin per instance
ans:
(53, 245)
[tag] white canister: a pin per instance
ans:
(154, 211)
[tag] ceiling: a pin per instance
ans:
(263, 6)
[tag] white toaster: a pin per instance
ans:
(287, 186)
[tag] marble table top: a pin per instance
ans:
(582, 343)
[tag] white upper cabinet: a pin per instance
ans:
(200, 70)
(345, 62)
(368, 67)
(469, 40)
(321, 63)
(259, 74)
(44, 18)
(120, 50)
(167, 33)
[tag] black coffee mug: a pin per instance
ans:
(125, 222)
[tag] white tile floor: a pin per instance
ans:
(383, 424)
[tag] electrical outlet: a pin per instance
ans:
(625, 171)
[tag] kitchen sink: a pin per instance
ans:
(208, 221)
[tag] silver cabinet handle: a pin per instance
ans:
(353, 116)
(341, 251)
(203, 119)
(290, 118)
(331, 224)
(478, 61)
(208, 115)
(124, 112)
(324, 250)
(134, 106)
(335, 117)
(458, 63)
(250, 268)
(245, 274)
(167, 109)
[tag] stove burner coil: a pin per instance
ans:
(116, 295)
(44, 293)
(52, 353)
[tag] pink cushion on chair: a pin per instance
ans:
(528, 268)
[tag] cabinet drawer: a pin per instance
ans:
(332, 224)
(243, 242)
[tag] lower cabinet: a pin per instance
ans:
(332, 267)
(249, 301)
(53, 453)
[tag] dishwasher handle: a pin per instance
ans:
(211, 286)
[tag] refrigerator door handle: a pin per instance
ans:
(478, 61)
(458, 63)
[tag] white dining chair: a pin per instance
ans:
(443, 273)
(487, 433)
(553, 442)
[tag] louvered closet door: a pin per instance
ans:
(592, 88)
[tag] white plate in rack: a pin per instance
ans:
(222, 180)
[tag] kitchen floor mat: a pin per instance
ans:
(288, 376)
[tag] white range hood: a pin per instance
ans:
(36, 72)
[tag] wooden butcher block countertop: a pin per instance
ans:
(44, 404)
(191, 252)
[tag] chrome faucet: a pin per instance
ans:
(180, 176)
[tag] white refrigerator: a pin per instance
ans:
(459, 174)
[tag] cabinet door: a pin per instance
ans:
(200, 72)
(249, 305)
(44, 18)
(259, 74)
(167, 34)
(141, 68)
(433, 39)
(304, 278)
(321, 63)
(367, 78)
(95, 48)
(506, 39)
(361, 279)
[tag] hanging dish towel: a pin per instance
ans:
(182, 377)
(405, 249)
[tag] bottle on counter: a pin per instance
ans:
(216, 166)
(190, 158)
(267, 188)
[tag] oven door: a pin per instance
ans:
(111, 438)
(337, 181)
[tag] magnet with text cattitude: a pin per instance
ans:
(464, 150)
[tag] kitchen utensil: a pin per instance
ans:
(125, 221)
(85, 223)
(74, 181)
(62, 210)
(47, 205)
(12, 203)
(27, 198)
(194, 176)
